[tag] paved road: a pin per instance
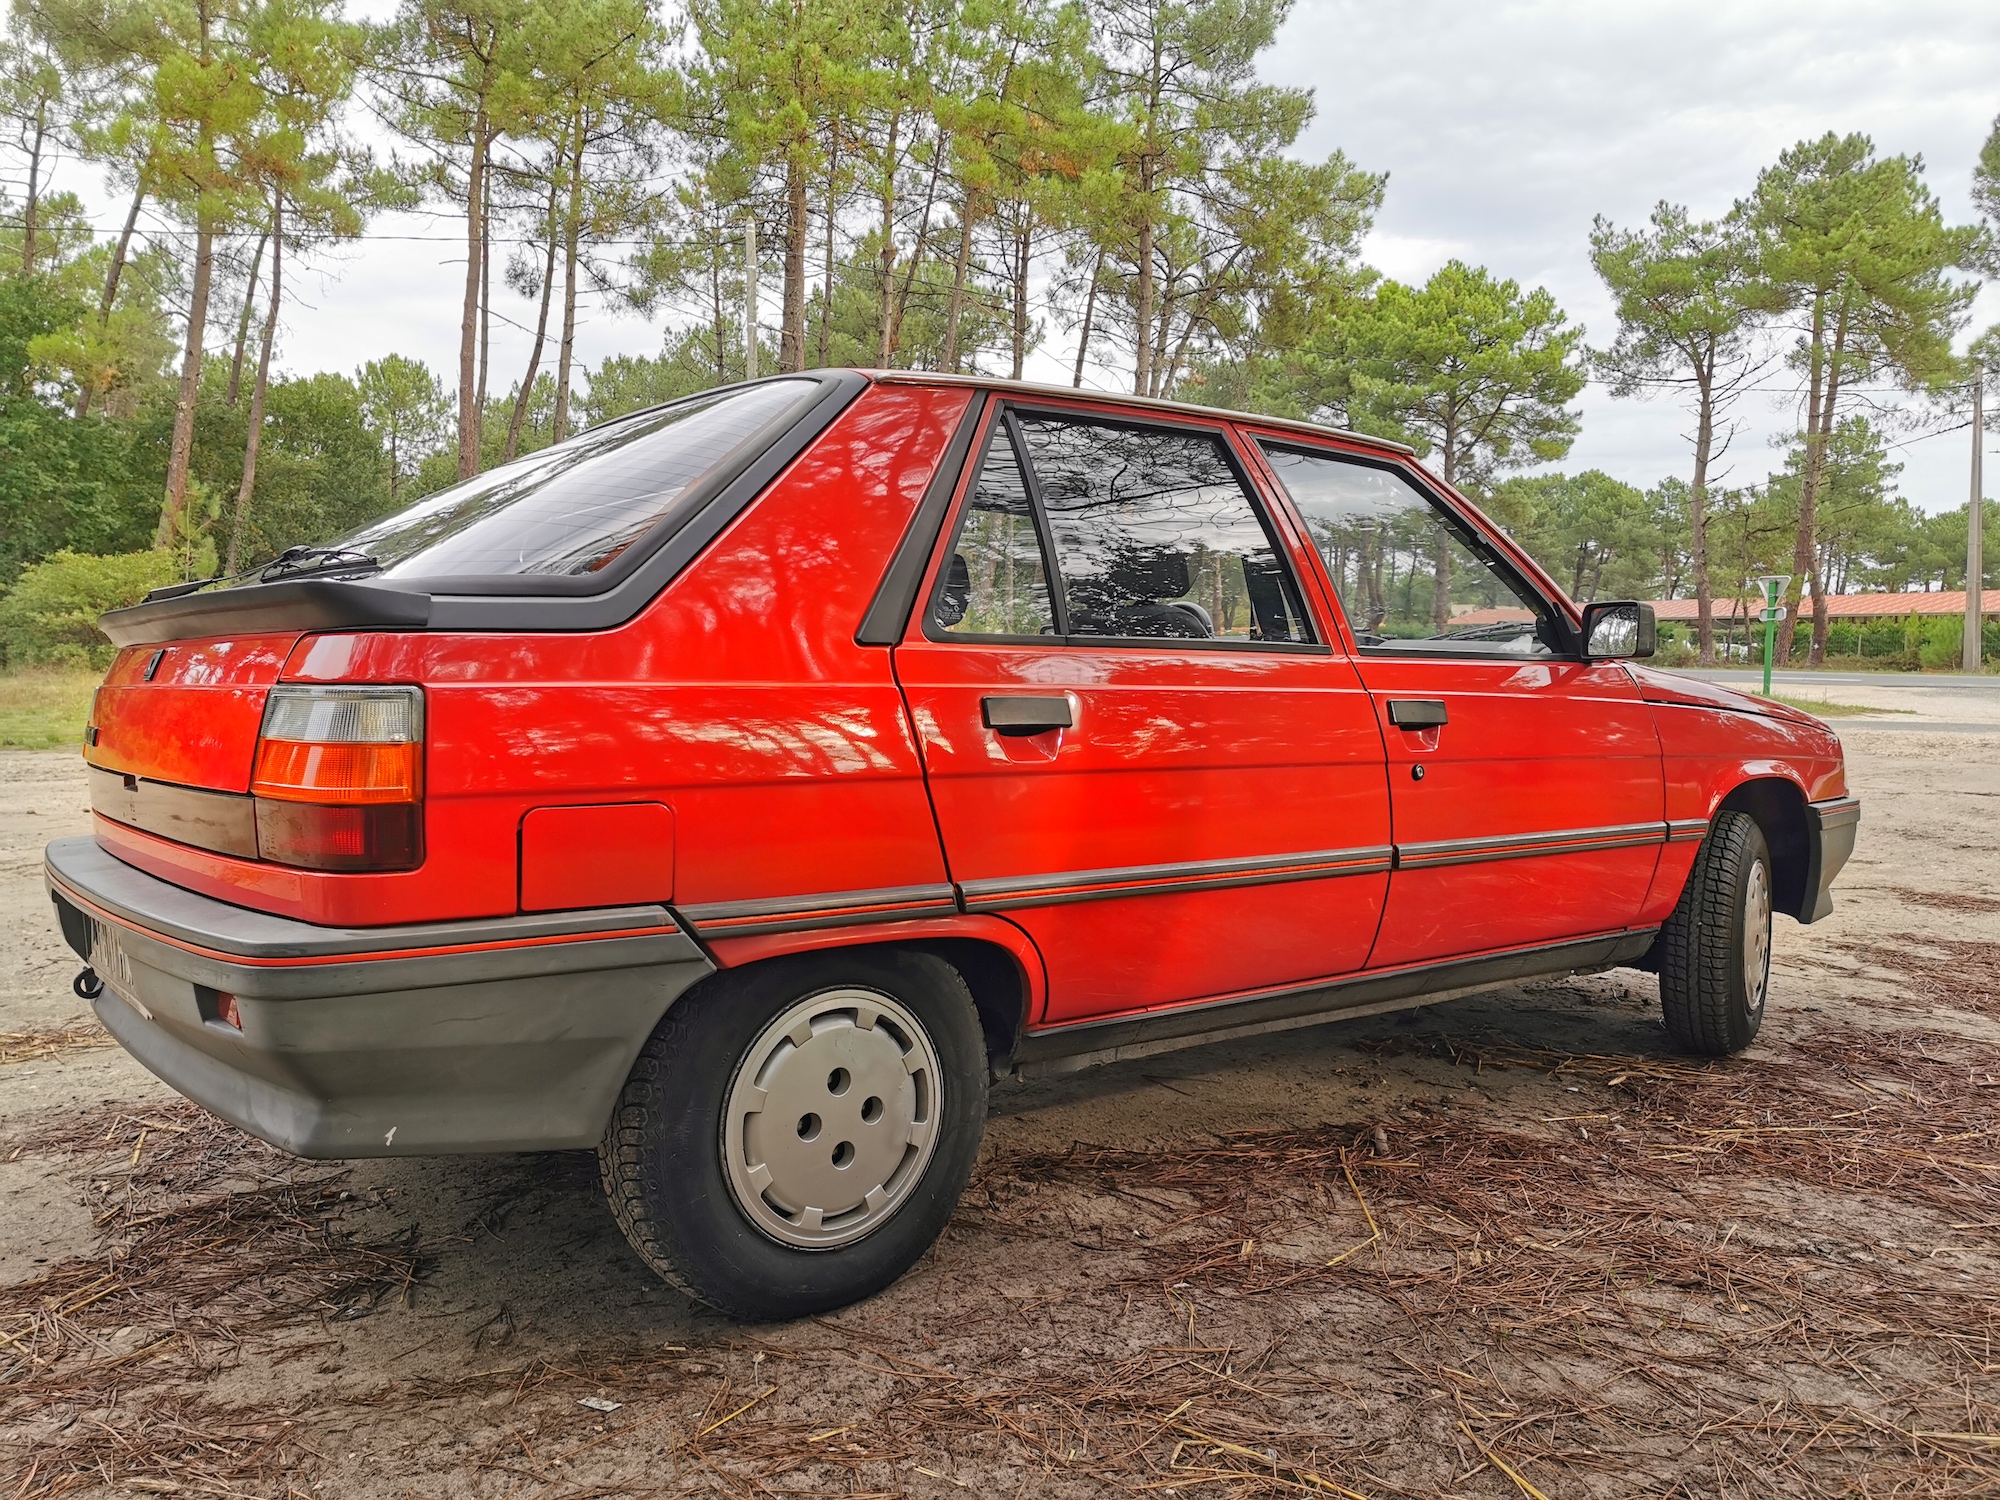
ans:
(1940, 702)
(1923, 682)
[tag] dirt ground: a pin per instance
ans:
(1505, 1246)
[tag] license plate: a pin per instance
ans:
(114, 966)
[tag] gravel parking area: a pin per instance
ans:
(1505, 1246)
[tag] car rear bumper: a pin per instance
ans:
(1829, 843)
(513, 1034)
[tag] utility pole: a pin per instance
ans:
(1975, 541)
(750, 299)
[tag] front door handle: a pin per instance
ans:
(1019, 717)
(1417, 713)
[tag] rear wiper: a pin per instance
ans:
(291, 563)
(296, 560)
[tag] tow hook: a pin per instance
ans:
(87, 985)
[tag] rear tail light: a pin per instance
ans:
(339, 778)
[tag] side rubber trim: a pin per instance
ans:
(1528, 845)
(719, 919)
(1687, 830)
(1087, 1044)
(1142, 880)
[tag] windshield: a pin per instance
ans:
(572, 509)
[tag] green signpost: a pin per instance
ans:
(1774, 589)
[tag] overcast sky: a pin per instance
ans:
(1503, 127)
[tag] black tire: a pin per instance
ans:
(663, 1154)
(1712, 1003)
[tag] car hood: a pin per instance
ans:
(1656, 686)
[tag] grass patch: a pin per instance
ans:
(1822, 709)
(45, 709)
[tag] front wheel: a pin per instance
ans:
(794, 1138)
(1715, 950)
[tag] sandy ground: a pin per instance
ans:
(1505, 1246)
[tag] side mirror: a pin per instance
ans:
(1617, 629)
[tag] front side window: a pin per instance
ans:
(571, 510)
(1411, 578)
(1151, 533)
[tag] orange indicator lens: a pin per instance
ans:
(292, 771)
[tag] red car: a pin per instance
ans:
(738, 787)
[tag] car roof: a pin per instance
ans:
(1145, 403)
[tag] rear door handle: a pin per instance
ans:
(1020, 717)
(1417, 713)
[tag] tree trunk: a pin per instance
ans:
(916, 259)
(1816, 653)
(243, 321)
(1441, 550)
(255, 437)
(1024, 239)
(485, 301)
(525, 394)
(31, 211)
(792, 335)
(181, 449)
(1704, 439)
(832, 222)
(1089, 314)
(468, 321)
(721, 324)
(886, 341)
(572, 233)
(1142, 310)
(958, 270)
(1802, 547)
(111, 280)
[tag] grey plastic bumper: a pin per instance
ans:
(512, 1034)
(1829, 841)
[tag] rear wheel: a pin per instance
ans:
(793, 1138)
(1715, 950)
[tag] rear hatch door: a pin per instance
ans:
(188, 712)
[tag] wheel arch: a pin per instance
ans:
(998, 962)
(1779, 807)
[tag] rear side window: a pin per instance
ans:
(571, 510)
(996, 582)
(1411, 578)
(1150, 532)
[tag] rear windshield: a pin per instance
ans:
(570, 510)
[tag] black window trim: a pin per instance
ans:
(1469, 535)
(888, 617)
(1005, 417)
(511, 602)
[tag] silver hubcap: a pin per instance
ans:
(1756, 934)
(831, 1118)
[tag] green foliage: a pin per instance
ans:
(403, 404)
(1466, 367)
(50, 614)
(1986, 177)
(63, 482)
(1598, 537)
